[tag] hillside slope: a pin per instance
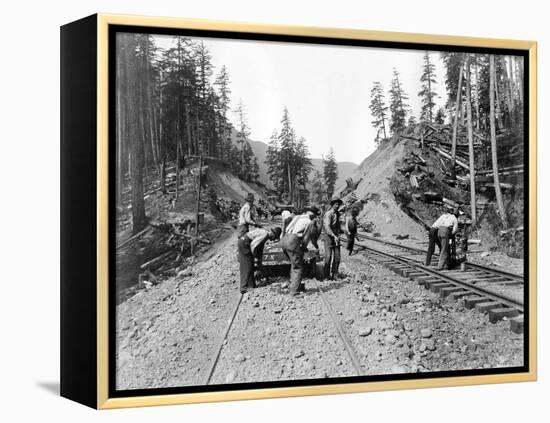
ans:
(381, 210)
(402, 187)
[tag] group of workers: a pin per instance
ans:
(299, 231)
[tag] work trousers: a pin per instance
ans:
(294, 251)
(440, 237)
(246, 263)
(332, 257)
(350, 241)
(242, 229)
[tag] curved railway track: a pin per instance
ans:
(476, 286)
(472, 269)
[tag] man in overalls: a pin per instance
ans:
(332, 232)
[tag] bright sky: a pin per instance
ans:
(326, 88)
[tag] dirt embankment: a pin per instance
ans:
(169, 243)
(381, 211)
(394, 180)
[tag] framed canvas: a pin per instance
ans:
(252, 211)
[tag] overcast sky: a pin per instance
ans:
(326, 88)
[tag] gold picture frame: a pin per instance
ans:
(100, 359)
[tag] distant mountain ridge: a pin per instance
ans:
(345, 169)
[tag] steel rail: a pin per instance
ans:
(503, 299)
(509, 275)
(219, 348)
(341, 333)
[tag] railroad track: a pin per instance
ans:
(348, 346)
(454, 284)
(473, 271)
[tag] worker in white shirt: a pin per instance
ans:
(299, 233)
(286, 217)
(440, 232)
(251, 246)
(246, 218)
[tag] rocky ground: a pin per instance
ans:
(167, 335)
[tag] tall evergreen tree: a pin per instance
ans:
(330, 173)
(288, 162)
(203, 61)
(243, 131)
(318, 191)
(302, 169)
(427, 93)
(133, 131)
(287, 144)
(275, 168)
(398, 105)
(224, 91)
(378, 110)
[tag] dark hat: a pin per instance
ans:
(332, 202)
(312, 209)
(249, 197)
(276, 232)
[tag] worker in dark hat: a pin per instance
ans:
(250, 247)
(299, 233)
(439, 233)
(332, 232)
(246, 216)
(351, 229)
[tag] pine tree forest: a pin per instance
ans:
(168, 109)
(484, 106)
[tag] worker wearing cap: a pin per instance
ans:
(439, 233)
(246, 218)
(332, 232)
(299, 233)
(251, 246)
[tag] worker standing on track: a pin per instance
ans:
(246, 217)
(294, 244)
(351, 229)
(332, 231)
(251, 246)
(440, 232)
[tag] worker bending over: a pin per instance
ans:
(286, 217)
(299, 232)
(251, 246)
(440, 232)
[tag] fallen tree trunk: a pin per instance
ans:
(448, 156)
(156, 260)
(132, 238)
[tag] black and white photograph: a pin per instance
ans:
(293, 212)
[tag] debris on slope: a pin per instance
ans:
(407, 183)
(170, 242)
